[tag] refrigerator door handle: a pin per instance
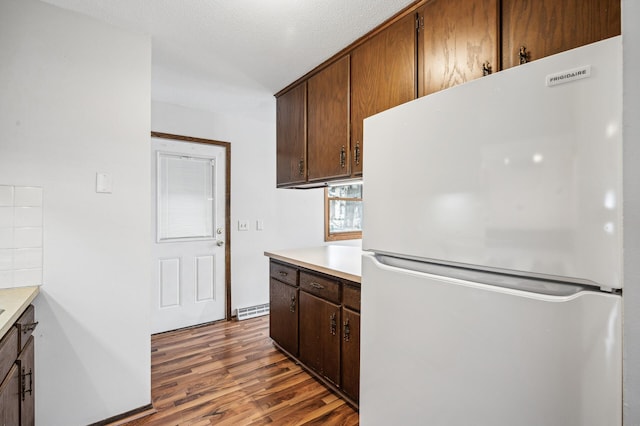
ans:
(505, 283)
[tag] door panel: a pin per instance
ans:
(283, 320)
(547, 27)
(169, 282)
(291, 134)
(189, 272)
(328, 122)
(320, 336)
(383, 75)
(456, 37)
(205, 275)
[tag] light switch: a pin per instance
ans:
(243, 225)
(104, 183)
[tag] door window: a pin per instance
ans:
(185, 197)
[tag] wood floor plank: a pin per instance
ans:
(230, 373)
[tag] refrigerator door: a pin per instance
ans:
(506, 173)
(444, 351)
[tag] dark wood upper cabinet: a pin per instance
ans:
(430, 46)
(328, 122)
(547, 27)
(383, 75)
(291, 134)
(456, 38)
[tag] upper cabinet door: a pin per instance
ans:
(547, 27)
(456, 39)
(291, 134)
(328, 122)
(383, 75)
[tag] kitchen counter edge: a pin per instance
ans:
(15, 301)
(339, 261)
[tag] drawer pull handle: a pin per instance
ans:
(24, 383)
(26, 328)
(283, 273)
(292, 305)
(316, 285)
(332, 324)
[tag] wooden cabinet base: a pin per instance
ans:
(318, 377)
(306, 323)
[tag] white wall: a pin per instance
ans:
(292, 218)
(631, 209)
(74, 101)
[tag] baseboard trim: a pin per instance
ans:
(129, 416)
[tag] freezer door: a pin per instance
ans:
(505, 172)
(444, 351)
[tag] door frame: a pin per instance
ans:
(227, 203)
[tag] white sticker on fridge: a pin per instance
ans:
(568, 76)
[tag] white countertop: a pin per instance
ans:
(340, 261)
(14, 301)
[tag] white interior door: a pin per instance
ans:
(188, 215)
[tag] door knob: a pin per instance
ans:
(220, 243)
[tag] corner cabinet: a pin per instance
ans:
(312, 122)
(17, 403)
(283, 303)
(291, 134)
(326, 322)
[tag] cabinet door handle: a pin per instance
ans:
(486, 69)
(301, 166)
(523, 55)
(332, 324)
(356, 153)
(347, 331)
(343, 157)
(23, 385)
(316, 285)
(292, 305)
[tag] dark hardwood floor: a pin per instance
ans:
(230, 373)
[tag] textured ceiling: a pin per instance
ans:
(233, 55)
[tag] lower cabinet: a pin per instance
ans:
(27, 403)
(17, 406)
(10, 397)
(320, 336)
(283, 319)
(315, 318)
(351, 353)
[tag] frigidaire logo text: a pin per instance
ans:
(569, 75)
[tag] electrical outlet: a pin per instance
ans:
(259, 225)
(243, 225)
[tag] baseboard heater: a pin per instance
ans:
(252, 311)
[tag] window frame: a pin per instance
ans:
(337, 236)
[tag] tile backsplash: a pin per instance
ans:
(20, 236)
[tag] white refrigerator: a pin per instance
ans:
(491, 279)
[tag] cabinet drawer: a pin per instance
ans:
(320, 286)
(8, 351)
(26, 324)
(285, 273)
(351, 297)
